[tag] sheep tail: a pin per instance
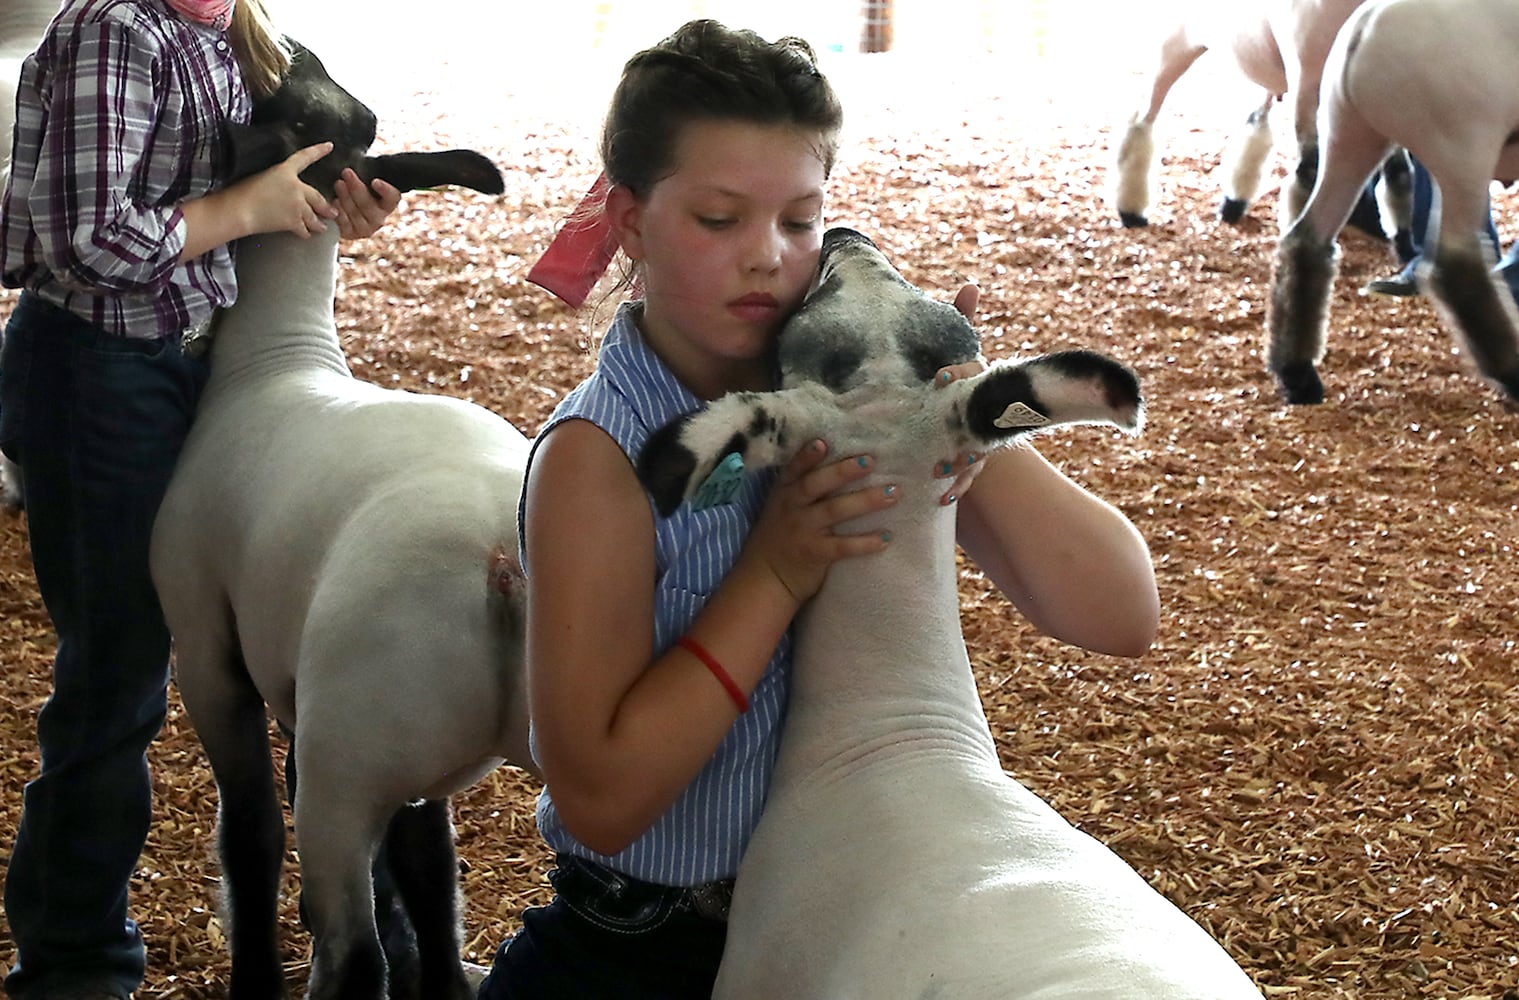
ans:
(504, 576)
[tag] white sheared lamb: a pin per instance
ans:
(1440, 78)
(1278, 45)
(895, 857)
(346, 554)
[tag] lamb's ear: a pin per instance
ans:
(410, 171)
(665, 465)
(702, 456)
(251, 148)
(1068, 387)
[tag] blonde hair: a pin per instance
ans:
(261, 51)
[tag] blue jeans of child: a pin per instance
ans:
(608, 937)
(1423, 203)
(96, 423)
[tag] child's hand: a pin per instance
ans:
(363, 210)
(794, 534)
(277, 200)
(963, 467)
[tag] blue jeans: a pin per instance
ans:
(1423, 202)
(608, 937)
(96, 423)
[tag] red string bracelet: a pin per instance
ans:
(696, 649)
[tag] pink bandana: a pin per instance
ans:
(580, 251)
(216, 13)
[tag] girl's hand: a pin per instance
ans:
(277, 200)
(363, 210)
(963, 467)
(794, 533)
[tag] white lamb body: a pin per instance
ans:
(354, 548)
(1439, 78)
(895, 858)
(1278, 45)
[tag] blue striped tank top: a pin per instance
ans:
(703, 834)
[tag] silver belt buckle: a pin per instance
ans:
(195, 341)
(711, 900)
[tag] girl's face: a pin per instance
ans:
(727, 246)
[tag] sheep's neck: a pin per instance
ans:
(283, 318)
(881, 666)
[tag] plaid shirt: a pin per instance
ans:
(119, 119)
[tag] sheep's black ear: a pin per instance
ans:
(665, 466)
(410, 171)
(251, 148)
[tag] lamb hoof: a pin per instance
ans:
(1510, 386)
(1232, 210)
(1133, 220)
(1300, 385)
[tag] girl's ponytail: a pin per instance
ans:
(261, 52)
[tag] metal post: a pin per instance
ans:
(879, 30)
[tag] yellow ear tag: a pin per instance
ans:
(722, 485)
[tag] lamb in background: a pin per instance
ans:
(344, 554)
(1279, 46)
(895, 858)
(1438, 77)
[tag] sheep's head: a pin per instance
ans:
(857, 362)
(310, 107)
(864, 324)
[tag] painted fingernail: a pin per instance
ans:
(972, 458)
(890, 491)
(949, 499)
(863, 461)
(945, 468)
(944, 377)
(885, 536)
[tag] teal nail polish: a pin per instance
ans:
(863, 462)
(944, 377)
(946, 469)
(885, 536)
(891, 491)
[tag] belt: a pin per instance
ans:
(613, 896)
(711, 900)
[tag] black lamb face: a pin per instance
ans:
(308, 108)
(851, 332)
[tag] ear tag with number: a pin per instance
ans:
(722, 485)
(1020, 415)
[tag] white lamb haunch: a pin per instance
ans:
(344, 553)
(1439, 78)
(895, 858)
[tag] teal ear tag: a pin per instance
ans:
(722, 486)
